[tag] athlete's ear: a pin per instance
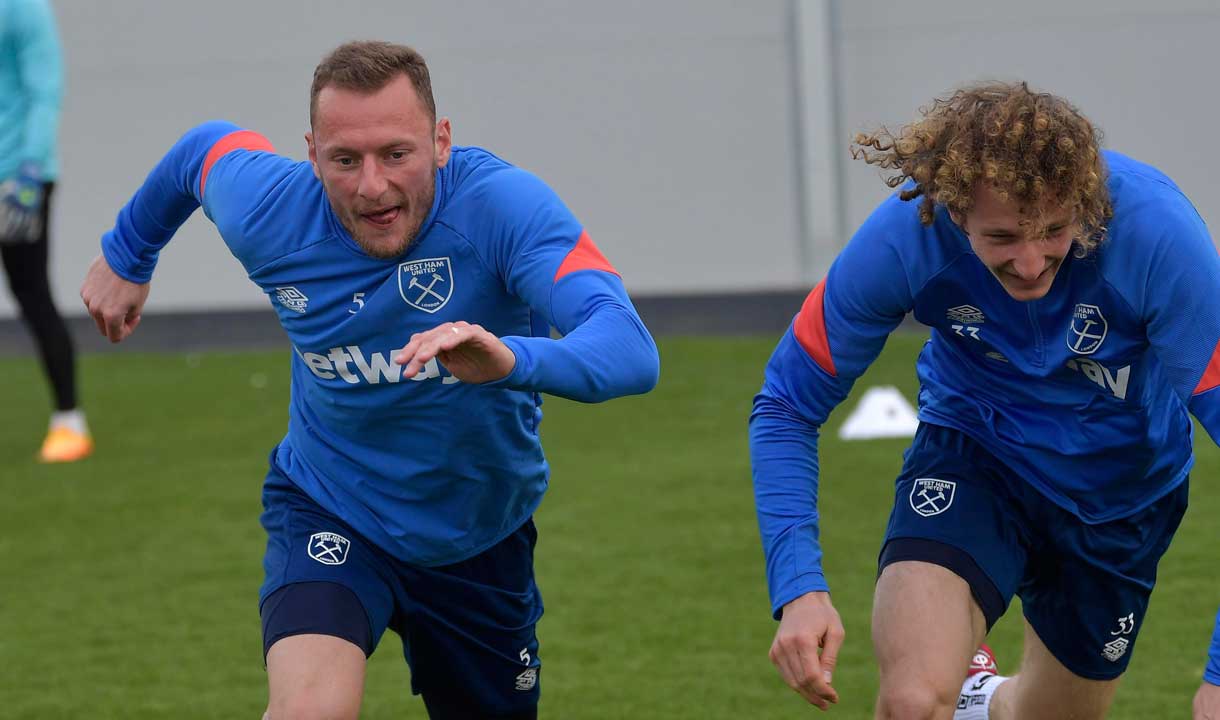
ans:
(443, 138)
(313, 154)
(958, 219)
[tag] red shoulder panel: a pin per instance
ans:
(584, 256)
(810, 329)
(236, 140)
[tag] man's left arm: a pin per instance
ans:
(1183, 325)
(549, 261)
(605, 350)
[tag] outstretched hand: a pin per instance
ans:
(470, 353)
(114, 304)
(1207, 702)
(809, 622)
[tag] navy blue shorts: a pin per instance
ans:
(468, 629)
(1084, 588)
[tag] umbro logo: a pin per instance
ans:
(968, 314)
(1115, 649)
(292, 299)
(527, 679)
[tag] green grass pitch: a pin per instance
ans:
(128, 582)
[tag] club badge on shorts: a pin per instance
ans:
(328, 548)
(931, 496)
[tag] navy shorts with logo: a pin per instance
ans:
(468, 629)
(1084, 588)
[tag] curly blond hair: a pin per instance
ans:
(1034, 149)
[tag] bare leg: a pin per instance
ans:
(312, 677)
(1046, 689)
(926, 627)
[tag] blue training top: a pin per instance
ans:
(430, 469)
(1084, 392)
(31, 83)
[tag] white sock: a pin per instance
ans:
(975, 699)
(73, 419)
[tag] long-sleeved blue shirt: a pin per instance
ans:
(1084, 393)
(430, 469)
(31, 85)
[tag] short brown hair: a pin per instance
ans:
(368, 66)
(1031, 148)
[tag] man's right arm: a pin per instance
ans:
(169, 195)
(839, 331)
(116, 285)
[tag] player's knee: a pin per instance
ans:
(315, 703)
(442, 706)
(913, 699)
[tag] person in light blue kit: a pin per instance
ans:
(1073, 297)
(31, 84)
(417, 282)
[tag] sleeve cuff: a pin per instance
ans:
(1212, 673)
(520, 370)
(114, 259)
(807, 583)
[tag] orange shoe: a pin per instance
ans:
(65, 445)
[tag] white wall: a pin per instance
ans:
(664, 124)
(669, 126)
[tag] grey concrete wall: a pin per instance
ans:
(664, 125)
(669, 126)
(1144, 72)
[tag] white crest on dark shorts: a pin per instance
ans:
(931, 496)
(426, 284)
(328, 548)
(1088, 329)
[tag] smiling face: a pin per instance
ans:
(1022, 250)
(376, 154)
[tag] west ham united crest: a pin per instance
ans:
(931, 496)
(426, 284)
(1088, 329)
(328, 548)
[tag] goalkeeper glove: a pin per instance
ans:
(21, 205)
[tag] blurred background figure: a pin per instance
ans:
(31, 82)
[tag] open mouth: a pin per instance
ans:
(382, 218)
